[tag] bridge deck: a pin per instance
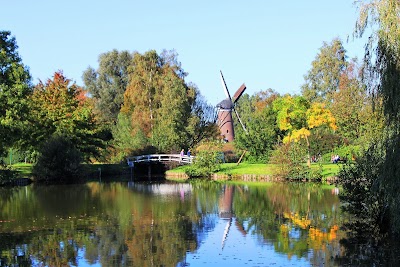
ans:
(160, 158)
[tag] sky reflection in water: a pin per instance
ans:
(169, 224)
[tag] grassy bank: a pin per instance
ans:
(328, 169)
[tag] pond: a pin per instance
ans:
(171, 224)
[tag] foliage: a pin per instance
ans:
(59, 161)
(61, 108)
(108, 83)
(206, 162)
(298, 119)
(15, 88)
(125, 142)
(372, 183)
(202, 122)
(7, 175)
(158, 101)
(363, 197)
(322, 80)
(288, 160)
(262, 130)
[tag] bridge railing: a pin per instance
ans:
(160, 158)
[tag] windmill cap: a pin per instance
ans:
(225, 104)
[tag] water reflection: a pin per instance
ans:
(170, 224)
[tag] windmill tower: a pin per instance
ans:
(225, 108)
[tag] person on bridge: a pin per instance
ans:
(182, 152)
(188, 153)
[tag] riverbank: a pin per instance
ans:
(253, 172)
(245, 172)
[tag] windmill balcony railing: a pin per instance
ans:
(160, 158)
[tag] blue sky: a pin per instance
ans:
(265, 44)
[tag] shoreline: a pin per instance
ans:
(244, 178)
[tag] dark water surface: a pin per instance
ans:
(170, 224)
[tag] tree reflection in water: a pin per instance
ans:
(169, 224)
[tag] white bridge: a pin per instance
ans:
(160, 158)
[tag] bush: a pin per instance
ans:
(206, 162)
(289, 161)
(59, 161)
(7, 175)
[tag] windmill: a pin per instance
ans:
(225, 108)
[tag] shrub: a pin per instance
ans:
(289, 161)
(59, 161)
(207, 161)
(7, 175)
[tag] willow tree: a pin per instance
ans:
(158, 101)
(373, 181)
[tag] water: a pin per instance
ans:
(170, 224)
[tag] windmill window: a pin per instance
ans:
(227, 131)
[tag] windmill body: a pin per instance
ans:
(225, 120)
(225, 108)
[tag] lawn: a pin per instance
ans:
(328, 169)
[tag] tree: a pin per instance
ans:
(298, 118)
(60, 108)
(262, 130)
(322, 80)
(59, 160)
(379, 168)
(15, 87)
(158, 101)
(108, 83)
(202, 122)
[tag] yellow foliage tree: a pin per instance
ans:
(306, 118)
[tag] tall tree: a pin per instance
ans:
(61, 108)
(15, 87)
(108, 83)
(158, 101)
(322, 80)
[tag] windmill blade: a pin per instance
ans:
(224, 86)
(241, 123)
(238, 93)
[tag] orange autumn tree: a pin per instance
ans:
(59, 107)
(297, 117)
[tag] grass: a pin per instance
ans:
(328, 169)
(25, 169)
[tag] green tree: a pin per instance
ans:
(59, 160)
(108, 83)
(322, 80)
(60, 108)
(262, 130)
(15, 88)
